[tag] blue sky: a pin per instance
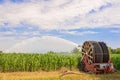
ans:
(74, 20)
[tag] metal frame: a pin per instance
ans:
(89, 61)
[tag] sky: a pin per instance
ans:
(73, 20)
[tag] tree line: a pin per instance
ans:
(114, 51)
(111, 51)
(77, 51)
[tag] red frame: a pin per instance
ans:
(93, 68)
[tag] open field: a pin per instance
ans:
(12, 62)
(48, 67)
(55, 76)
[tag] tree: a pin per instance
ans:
(110, 50)
(51, 52)
(117, 51)
(75, 50)
(1, 52)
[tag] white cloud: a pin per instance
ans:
(78, 33)
(7, 42)
(115, 31)
(30, 33)
(22, 33)
(54, 14)
(6, 33)
(57, 15)
(42, 45)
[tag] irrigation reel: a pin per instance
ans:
(96, 58)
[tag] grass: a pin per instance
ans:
(54, 75)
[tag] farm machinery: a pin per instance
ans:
(96, 58)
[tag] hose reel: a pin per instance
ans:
(95, 57)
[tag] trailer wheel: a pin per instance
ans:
(82, 66)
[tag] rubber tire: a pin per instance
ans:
(82, 66)
(97, 52)
(105, 52)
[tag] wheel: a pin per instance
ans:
(87, 50)
(93, 51)
(105, 52)
(82, 66)
(97, 51)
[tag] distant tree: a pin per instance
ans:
(110, 50)
(114, 51)
(117, 51)
(51, 52)
(1, 52)
(75, 50)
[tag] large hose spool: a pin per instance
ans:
(93, 50)
(105, 52)
(95, 58)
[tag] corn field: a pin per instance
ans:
(116, 60)
(12, 62)
(34, 62)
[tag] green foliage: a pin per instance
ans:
(12, 62)
(114, 51)
(1, 52)
(117, 51)
(35, 62)
(76, 51)
(110, 50)
(116, 60)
